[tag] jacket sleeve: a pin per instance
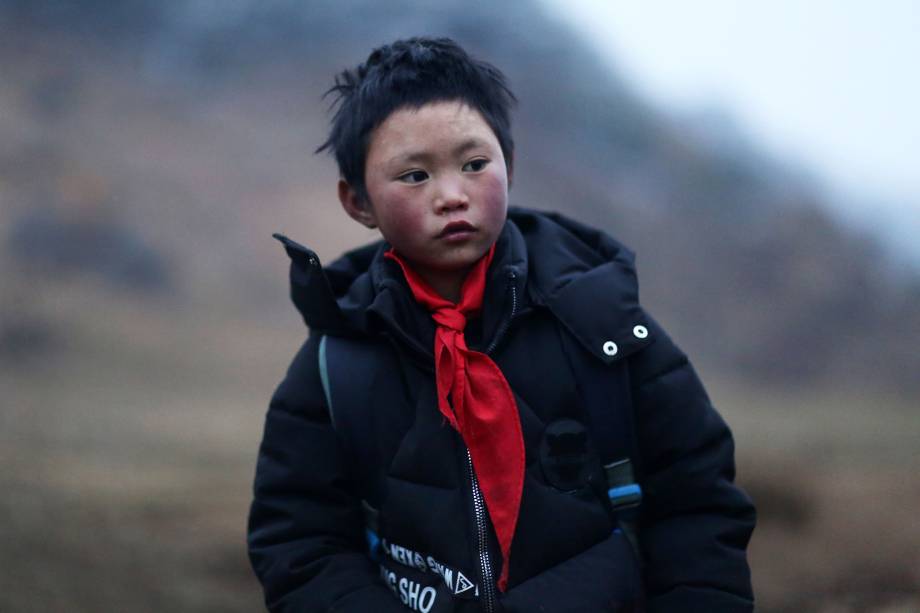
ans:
(306, 531)
(695, 522)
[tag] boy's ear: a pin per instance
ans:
(356, 206)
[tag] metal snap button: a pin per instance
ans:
(610, 348)
(640, 331)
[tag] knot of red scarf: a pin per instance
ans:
(476, 400)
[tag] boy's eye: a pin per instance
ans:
(475, 165)
(415, 176)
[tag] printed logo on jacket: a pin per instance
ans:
(420, 581)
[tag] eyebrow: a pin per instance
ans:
(470, 143)
(424, 156)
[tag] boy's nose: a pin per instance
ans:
(450, 197)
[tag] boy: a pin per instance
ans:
(483, 417)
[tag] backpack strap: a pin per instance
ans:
(612, 430)
(346, 369)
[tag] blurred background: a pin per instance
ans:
(761, 161)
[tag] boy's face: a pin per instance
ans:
(437, 187)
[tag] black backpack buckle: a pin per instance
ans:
(623, 491)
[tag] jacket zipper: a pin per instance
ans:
(485, 562)
(479, 507)
(507, 323)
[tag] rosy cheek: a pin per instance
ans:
(495, 188)
(400, 211)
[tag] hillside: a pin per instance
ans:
(186, 132)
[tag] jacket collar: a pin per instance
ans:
(543, 260)
(587, 279)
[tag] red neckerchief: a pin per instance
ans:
(475, 398)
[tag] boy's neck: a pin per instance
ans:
(446, 283)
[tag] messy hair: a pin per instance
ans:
(409, 74)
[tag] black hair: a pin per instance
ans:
(411, 73)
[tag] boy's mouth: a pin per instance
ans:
(457, 228)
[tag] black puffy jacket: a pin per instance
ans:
(551, 277)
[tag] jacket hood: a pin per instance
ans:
(586, 278)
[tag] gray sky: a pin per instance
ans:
(834, 85)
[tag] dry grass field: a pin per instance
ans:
(128, 445)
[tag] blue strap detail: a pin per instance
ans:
(632, 490)
(373, 544)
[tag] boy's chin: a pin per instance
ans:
(452, 268)
(464, 259)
